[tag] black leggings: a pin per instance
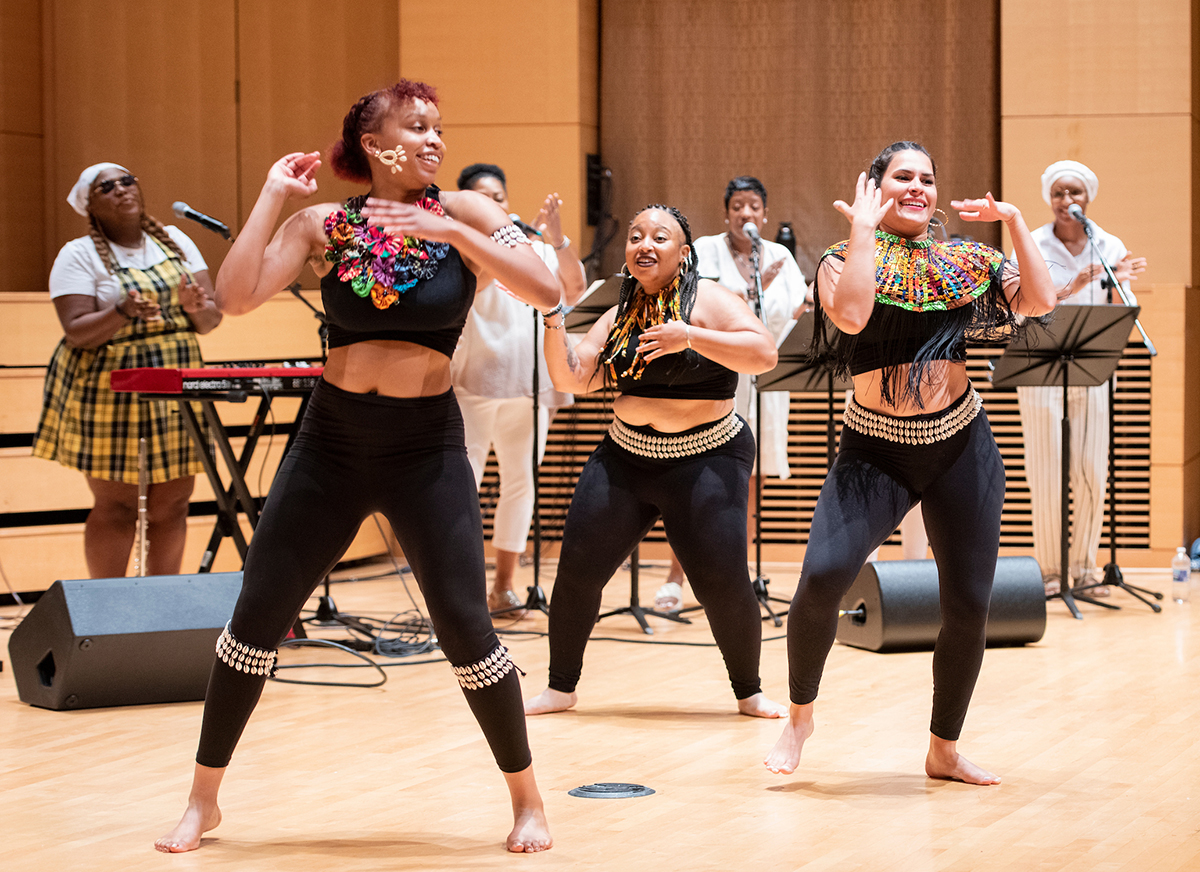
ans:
(702, 501)
(959, 482)
(356, 454)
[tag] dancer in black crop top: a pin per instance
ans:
(894, 309)
(672, 347)
(383, 432)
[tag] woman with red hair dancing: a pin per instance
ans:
(399, 267)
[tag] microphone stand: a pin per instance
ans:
(1112, 571)
(760, 581)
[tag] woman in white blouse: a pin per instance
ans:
(132, 293)
(725, 258)
(1078, 273)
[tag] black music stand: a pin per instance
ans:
(600, 297)
(1077, 346)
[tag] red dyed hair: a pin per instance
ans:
(347, 157)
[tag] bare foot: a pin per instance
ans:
(550, 701)
(197, 820)
(758, 706)
(944, 761)
(785, 756)
(530, 831)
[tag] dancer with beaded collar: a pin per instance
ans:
(894, 310)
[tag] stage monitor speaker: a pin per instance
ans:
(894, 605)
(122, 641)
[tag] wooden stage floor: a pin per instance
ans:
(1094, 730)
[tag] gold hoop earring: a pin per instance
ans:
(392, 157)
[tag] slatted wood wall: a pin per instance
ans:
(788, 505)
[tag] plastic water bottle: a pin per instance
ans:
(1181, 568)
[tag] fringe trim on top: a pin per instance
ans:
(934, 293)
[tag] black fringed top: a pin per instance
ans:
(930, 297)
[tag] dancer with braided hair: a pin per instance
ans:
(894, 310)
(132, 293)
(399, 267)
(672, 348)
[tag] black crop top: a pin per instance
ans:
(930, 298)
(670, 378)
(431, 313)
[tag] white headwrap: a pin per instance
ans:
(82, 192)
(1056, 171)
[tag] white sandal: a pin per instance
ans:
(669, 597)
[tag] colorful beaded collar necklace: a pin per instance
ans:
(929, 275)
(378, 264)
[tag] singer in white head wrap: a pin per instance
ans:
(1062, 168)
(82, 192)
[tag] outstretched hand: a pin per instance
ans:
(406, 219)
(295, 174)
(867, 210)
(986, 209)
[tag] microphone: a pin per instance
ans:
(1076, 212)
(751, 230)
(525, 228)
(183, 210)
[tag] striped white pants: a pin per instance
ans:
(1041, 421)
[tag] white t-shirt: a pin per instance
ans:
(494, 356)
(1064, 266)
(79, 270)
(780, 300)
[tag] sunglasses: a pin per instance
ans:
(109, 185)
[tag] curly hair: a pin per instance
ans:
(347, 157)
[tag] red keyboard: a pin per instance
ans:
(216, 379)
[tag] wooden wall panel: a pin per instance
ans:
(1096, 57)
(1108, 82)
(301, 68)
(22, 209)
(521, 97)
(801, 95)
(150, 86)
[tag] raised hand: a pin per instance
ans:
(295, 174)
(867, 210)
(1128, 267)
(405, 219)
(549, 221)
(986, 209)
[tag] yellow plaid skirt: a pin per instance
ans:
(87, 426)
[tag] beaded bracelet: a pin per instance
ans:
(566, 241)
(553, 311)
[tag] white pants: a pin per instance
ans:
(507, 426)
(1041, 420)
